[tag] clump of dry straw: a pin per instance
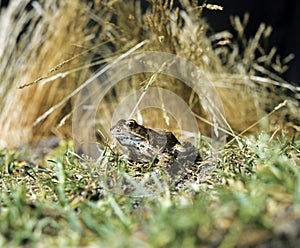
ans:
(55, 46)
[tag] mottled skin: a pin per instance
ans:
(145, 144)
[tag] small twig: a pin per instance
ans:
(105, 140)
(150, 82)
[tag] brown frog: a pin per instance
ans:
(146, 145)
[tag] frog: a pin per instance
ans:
(143, 144)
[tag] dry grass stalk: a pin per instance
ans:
(32, 43)
(233, 66)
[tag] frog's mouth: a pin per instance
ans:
(127, 139)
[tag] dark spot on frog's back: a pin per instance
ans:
(171, 139)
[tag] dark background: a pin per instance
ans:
(282, 15)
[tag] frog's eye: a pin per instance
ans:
(131, 123)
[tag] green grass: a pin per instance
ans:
(252, 199)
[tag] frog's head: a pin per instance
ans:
(129, 132)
